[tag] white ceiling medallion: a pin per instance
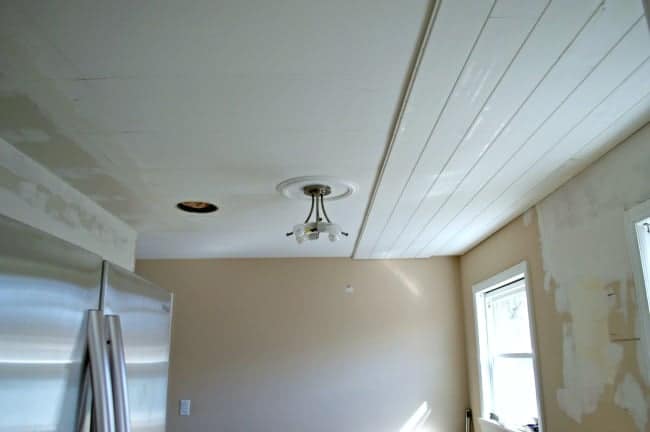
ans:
(293, 188)
(317, 190)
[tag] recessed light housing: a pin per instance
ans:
(197, 207)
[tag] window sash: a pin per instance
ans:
(492, 297)
(500, 292)
(514, 405)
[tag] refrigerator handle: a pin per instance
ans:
(118, 371)
(99, 373)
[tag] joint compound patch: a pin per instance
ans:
(587, 270)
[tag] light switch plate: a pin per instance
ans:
(184, 407)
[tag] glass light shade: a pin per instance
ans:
(333, 231)
(299, 233)
(312, 230)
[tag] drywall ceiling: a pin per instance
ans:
(501, 113)
(140, 105)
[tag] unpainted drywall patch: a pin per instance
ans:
(581, 276)
(643, 358)
(585, 259)
(549, 283)
(87, 158)
(590, 360)
(31, 194)
(630, 397)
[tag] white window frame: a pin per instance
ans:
(634, 231)
(479, 290)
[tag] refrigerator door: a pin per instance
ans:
(144, 312)
(46, 288)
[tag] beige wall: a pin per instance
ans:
(517, 242)
(277, 344)
(594, 376)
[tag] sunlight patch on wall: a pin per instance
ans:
(403, 278)
(416, 422)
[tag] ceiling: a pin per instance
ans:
(140, 105)
(529, 93)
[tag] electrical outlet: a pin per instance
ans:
(184, 407)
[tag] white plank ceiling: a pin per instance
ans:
(523, 96)
(140, 105)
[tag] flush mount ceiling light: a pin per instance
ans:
(317, 189)
(321, 223)
(197, 207)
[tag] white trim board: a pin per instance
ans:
(632, 218)
(501, 279)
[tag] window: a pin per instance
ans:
(643, 241)
(507, 364)
(638, 220)
(637, 226)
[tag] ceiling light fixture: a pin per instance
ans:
(311, 230)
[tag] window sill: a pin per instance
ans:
(492, 426)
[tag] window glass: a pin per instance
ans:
(515, 401)
(508, 327)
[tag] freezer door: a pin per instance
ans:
(144, 312)
(46, 288)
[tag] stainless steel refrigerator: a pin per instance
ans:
(84, 344)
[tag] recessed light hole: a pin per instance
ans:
(197, 207)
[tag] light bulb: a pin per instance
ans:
(312, 230)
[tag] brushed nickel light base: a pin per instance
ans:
(317, 189)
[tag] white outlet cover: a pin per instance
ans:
(184, 407)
